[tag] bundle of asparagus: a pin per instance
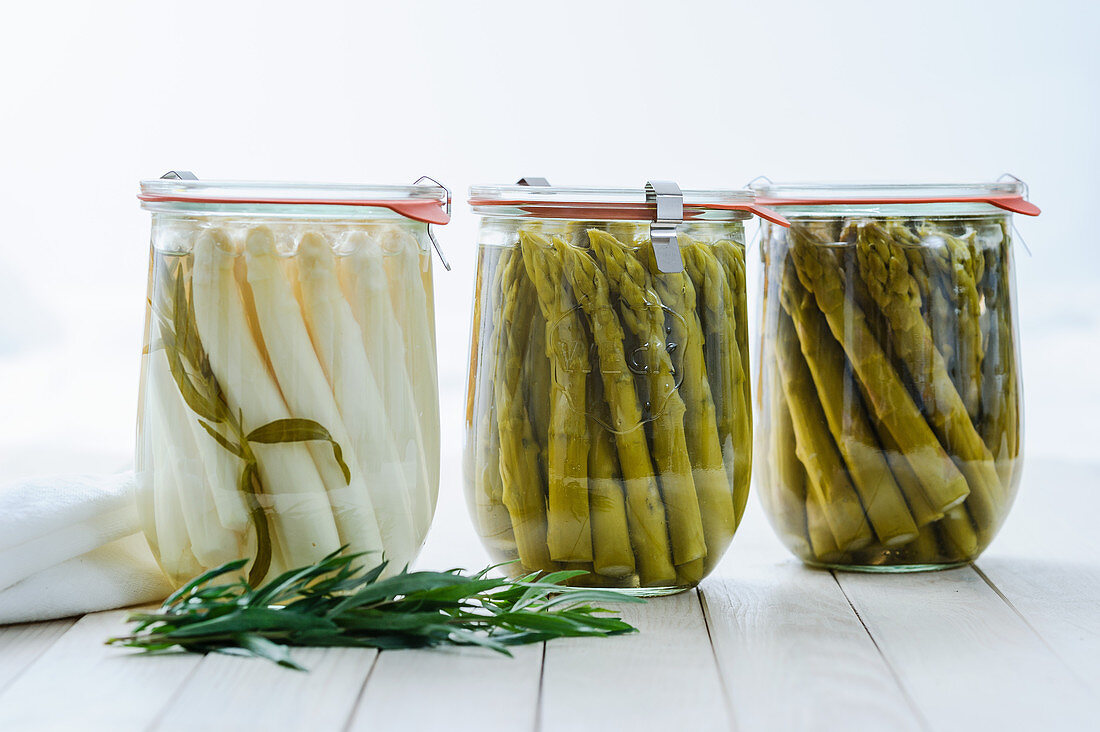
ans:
(609, 417)
(891, 397)
(289, 397)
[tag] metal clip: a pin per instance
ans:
(1014, 179)
(435, 243)
(533, 181)
(669, 202)
(179, 175)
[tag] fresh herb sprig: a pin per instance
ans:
(337, 602)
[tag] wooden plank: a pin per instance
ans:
(252, 693)
(1061, 603)
(663, 678)
(79, 683)
(451, 688)
(21, 644)
(964, 656)
(793, 654)
(1044, 562)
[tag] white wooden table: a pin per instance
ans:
(1012, 643)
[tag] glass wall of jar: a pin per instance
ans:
(608, 420)
(289, 402)
(889, 383)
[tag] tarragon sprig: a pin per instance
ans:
(337, 602)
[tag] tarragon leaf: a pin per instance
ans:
(299, 430)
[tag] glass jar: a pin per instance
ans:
(608, 421)
(289, 401)
(890, 380)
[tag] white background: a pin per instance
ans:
(95, 96)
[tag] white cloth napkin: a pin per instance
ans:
(70, 545)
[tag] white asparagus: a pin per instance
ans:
(363, 281)
(404, 262)
(173, 550)
(223, 470)
(211, 543)
(306, 390)
(296, 497)
(338, 343)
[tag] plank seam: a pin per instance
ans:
(889, 666)
(1032, 628)
(362, 692)
(538, 701)
(717, 665)
(34, 660)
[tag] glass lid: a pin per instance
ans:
(594, 203)
(429, 202)
(1008, 193)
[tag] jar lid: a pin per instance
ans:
(429, 202)
(1008, 193)
(610, 204)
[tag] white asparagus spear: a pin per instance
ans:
(306, 391)
(339, 345)
(174, 553)
(403, 261)
(295, 496)
(211, 543)
(223, 471)
(363, 280)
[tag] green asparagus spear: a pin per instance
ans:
(882, 499)
(519, 456)
(569, 532)
(885, 268)
(956, 319)
(493, 520)
(611, 552)
(1000, 388)
(642, 312)
(719, 308)
(829, 481)
(821, 274)
(784, 491)
(823, 543)
(538, 380)
(716, 507)
(731, 255)
(645, 511)
(679, 294)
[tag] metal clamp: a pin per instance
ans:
(1014, 179)
(533, 181)
(669, 202)
(179, 175)
(435, 242)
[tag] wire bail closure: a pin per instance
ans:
(435, 242)
(668, 199)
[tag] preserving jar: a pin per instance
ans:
(889, 371)
(608, 420)
(289, 400)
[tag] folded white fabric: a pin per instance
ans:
(68, 545)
